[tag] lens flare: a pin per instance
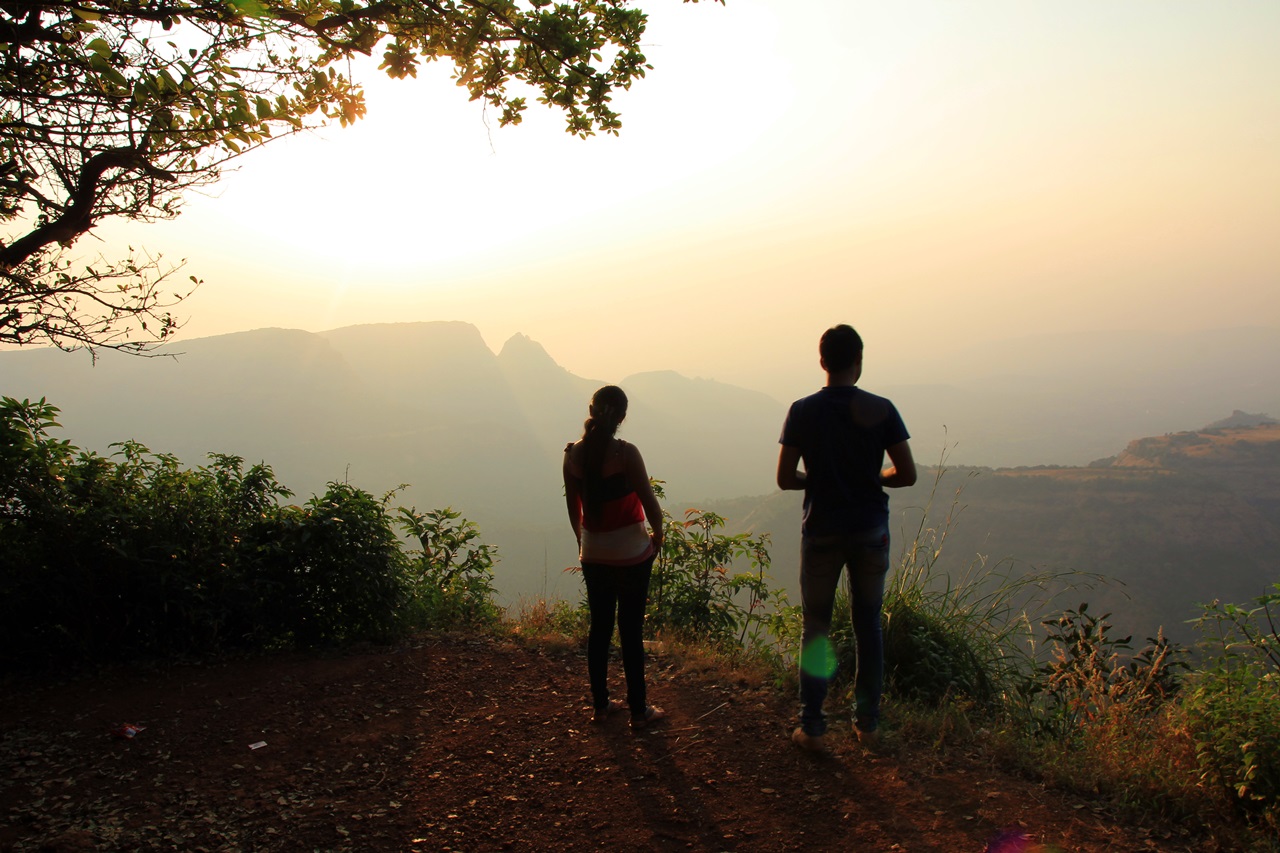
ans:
(818, 658)
(1016, 841)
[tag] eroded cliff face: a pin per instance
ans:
(1244, 460)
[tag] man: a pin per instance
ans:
(842, 434)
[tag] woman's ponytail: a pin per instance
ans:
(608, 409)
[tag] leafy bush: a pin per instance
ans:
(695, 596)
(693, 593)
(122, 556)
(1233, 705)
(336, 568)
(451, 574)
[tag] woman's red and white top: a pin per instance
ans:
(618, 536)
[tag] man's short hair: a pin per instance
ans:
(840, 348)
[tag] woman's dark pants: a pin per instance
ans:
(624, 591)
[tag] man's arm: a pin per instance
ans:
(790, 477)
(903, 470)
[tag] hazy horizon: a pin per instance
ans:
(1065, 399)
(1053, 350)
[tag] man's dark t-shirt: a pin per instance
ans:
(842, 433)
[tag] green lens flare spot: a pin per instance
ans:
(818, 658)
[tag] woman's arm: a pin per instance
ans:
(638, 480)
(572, 495)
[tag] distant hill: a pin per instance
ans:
(1242, 419)
(427, 404)
(424, 403)
(1177, 520)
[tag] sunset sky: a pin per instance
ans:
(936, 173)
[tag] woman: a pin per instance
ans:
(609, 497)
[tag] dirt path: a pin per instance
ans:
(477, 745)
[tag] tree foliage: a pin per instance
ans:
(116, 108)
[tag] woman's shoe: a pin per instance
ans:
(868, 740)
(652, 714)
(602, 714)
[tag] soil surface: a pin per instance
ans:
(477, 744)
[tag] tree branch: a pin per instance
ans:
(77, 217)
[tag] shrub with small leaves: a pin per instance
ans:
(1233, 705)
(695, 593)
(451, 573)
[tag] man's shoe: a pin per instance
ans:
(868, 740)
(808, 742)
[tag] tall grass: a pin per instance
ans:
(972, 634)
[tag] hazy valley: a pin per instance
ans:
(1172, 520)
(1178, 518)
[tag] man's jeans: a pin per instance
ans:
(866, 554)
(623, 590)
